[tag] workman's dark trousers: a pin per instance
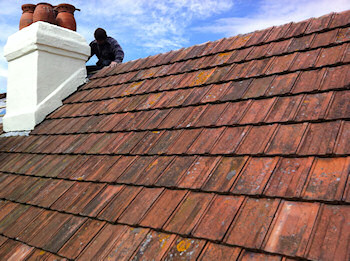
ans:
(99, 65)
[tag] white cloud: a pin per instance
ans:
(275, 12)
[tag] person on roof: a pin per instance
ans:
(107, 50)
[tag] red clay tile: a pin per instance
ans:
(324, 39)
(72, 195)
(277, 48)
(154, 246)
(303, 82)
(240, 55)
(150, 174)
(155, 119)
(188, 213)
(117, 169)
(258, 87)
(330, 55)
(284, 109)
(313, 106)
(38, 224)
(22, 222)
(219, 252)
(116, 207)
(202, 144)
(93, 168)
(180, 98)
(140, 205)
(184, 141)
(198, 172)
(13, 250)
(342, 145)
(319, 23)
(174, 172)
(333, 223)
(219, 59)
(201, 77)
(282, 84)
(258, 52)
(301, 43)
(211, 115)
(191, 118)
(185, 249)
(254, 176)
(296, 29)
(73, 247)
(63, 234)
(343, 35)
(33, 190)
(51, 193)
(174, 117)
(164, 142)
(346, 55)
(289, 177)
(291, 228)
(256, 139)
(132, 173)
(339, 107)
(103, 242)
(252, 222)
(236, 90)
(287, 139)
(340, 19)
(327, 179)
(127, 244)
(229, 140)
(305, 60)
(319, 138)
(281, 63)
(10, 219)
(100, 201)
(258, 67)
(278, 32)
(129, 143)
(224, 175)
(233, 113)
(162, 208)
(253, 256)
(336, 77)
(257, 111)
(218, 217)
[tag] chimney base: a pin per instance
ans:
(46, 63)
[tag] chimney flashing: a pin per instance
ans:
(46, 63)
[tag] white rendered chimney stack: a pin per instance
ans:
(46, 63)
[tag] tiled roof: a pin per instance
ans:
(234, 149)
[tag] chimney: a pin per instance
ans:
(46, 63)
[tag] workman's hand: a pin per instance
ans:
(113, 64)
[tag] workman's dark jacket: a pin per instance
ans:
(109, 51)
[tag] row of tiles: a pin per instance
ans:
(282, 85)
(298, 108)
(136, 244)
(16, 251)
(283, 227)
(255, 68)
(308, 178)
(256, 38)
(297, 82)
(276, 139)
(274, 49)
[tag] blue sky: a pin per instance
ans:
(148, 27)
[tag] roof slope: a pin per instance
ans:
(234, 149)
